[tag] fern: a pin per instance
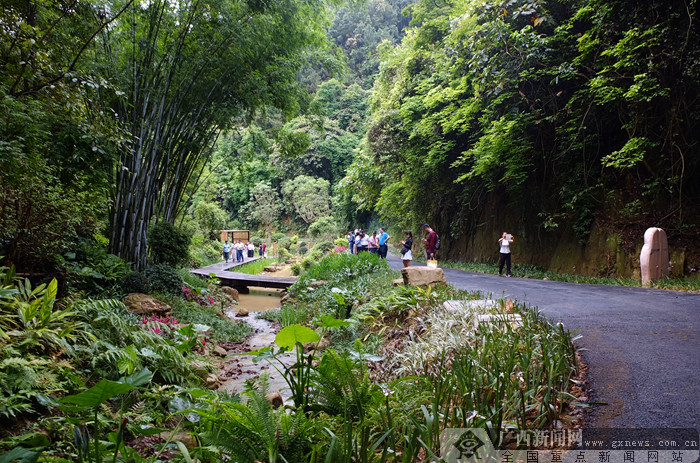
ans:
(254, 431)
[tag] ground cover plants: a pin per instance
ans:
(379, 372)
(78, 376)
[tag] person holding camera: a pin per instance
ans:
(505, 241)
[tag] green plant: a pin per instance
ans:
(284, 243)
(290, 314)
(222, 329)
(296, 268)
(134, 282)
(253, 430)
(324, 246)
(168, 244)
(255, 267)
(163, 278)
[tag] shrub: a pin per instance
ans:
(307, 263)
(134, 282)
(285, 243)
(278, 236)
(203, 251)
(163, 279)
(168, 244)
(323, 246)
(342, 241)
(296, 268)
(323, 227)
(303, 250)
(284, 254)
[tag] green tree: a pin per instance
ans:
(185, 74)
(309, 196)
(264, 206)
(210, 217)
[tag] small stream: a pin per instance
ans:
(242, 366)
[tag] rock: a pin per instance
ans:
(286, 297)
(242, 312)
(271, 268)
(186, 438)
(200, 369)
(397, 282)
(423, 276)
(275, 399)
(653, 259)
(143, 304)
(455, 306)
(545, 279)
(212, 381)
(231, 292)
(317, 284)
(218, 350)
(509, 306)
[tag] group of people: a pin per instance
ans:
(240, 249)
(360, 241)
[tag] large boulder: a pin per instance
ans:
(143, 304)
(231, 292)
(423, 276)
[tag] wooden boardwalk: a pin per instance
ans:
(241, 281)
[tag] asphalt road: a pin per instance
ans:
(642, 345)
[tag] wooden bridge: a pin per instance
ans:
(242, 281)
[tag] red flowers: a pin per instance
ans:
(163, 326)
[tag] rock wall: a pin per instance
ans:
(605, 252)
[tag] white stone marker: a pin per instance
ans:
(653, 259)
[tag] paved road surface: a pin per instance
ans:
(643, 344)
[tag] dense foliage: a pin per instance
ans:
(554, 114)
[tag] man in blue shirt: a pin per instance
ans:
(383, 248)
(227, 249)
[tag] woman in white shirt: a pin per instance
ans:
(505, 241)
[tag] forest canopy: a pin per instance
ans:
(561, 116)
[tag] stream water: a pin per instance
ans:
(240, 367)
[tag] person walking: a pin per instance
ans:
(504, 258)
(251, 250)
(430, 242)
(227, 250)
(239, 251)
(406, 254)
(383, 247)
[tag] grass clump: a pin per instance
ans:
(256, 267)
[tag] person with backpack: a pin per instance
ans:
(432, 242)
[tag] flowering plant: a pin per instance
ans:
(197, 296)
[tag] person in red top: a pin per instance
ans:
(430, 241)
